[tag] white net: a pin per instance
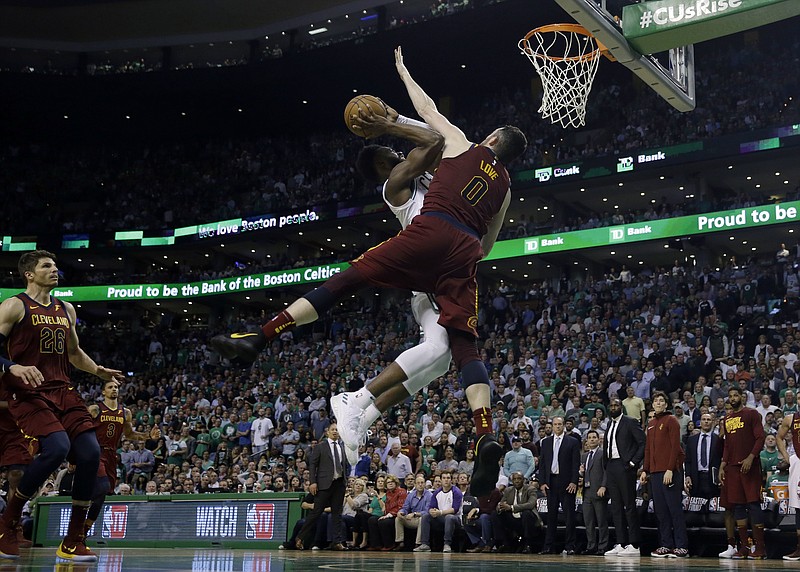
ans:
(566, 57)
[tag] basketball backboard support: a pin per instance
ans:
(674, 81)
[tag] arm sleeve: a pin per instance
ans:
(638, 437)
(576, 462)
(434, 500)
(406, 508)
(531, 465)
(403, 120)
(458, 498)
(758, 433)
(674, 435)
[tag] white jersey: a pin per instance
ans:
(406, 212)
(794, 478)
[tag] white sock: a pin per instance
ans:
(372, 414)
(363, 398)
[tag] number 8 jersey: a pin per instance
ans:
(41, 339)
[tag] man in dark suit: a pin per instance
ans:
(328, 475)
(595, 500)
(703, 458)
(558, 478)
(623, 448)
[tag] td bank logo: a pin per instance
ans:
(543, 175)
(532, 245)
(616, 234)
(624, 164)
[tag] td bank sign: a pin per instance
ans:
(621, 233)
(546, 173)
(533, 245)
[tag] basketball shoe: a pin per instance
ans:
(22, 542)
(75, 550)
(350, 419)
(9, 547)
(487, 458)
(245, 347)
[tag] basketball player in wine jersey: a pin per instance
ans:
(113, 421)
(38, 334)
(405, 182)
(790, 427)
(740, 472)
(15, 456)
(457, 227)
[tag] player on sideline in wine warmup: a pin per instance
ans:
(113, 421)
(740, 472)
(38, 332)
(790, 426)
(405, 184)
(14, 457)
(437, 253)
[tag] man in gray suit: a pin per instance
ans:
(594, 495)
(328, 476)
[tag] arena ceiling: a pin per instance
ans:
(88, 25)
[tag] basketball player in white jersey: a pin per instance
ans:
(403, 191)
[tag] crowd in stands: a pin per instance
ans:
(123, 188)
(563, 349)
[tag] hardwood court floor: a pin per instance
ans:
(190, 560)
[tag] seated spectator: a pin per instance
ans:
(382, 528)
(516, 518)
(444, 512)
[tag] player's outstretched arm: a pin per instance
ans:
(79, 358)
(130, 433)
(455, 142)
(488, 240)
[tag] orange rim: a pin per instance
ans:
(569, 29)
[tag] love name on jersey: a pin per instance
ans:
(489, 170)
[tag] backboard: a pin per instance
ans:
(673, 80)
(650, 30)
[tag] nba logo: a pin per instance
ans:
(616, 234)
(260, 521)
(115, 521)
(532, 245)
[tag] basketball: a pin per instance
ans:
(365, 103)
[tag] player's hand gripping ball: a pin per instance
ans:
(367, 105)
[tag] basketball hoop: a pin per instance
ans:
(565, 56)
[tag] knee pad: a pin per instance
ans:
(85, 448)
(54, 448)
(740, 512)
(423, 363)
(52, 452)
(334, 289)
(756, 514)
(474, 373)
